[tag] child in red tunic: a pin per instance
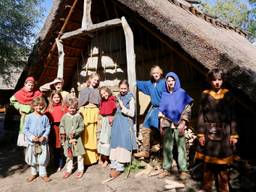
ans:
(107, 111)
(55, 111)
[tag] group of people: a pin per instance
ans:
(99, 127)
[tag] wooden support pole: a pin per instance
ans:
(130, 55)
(87, 21)
(61, 31)
(61, 58)
(64, 25)
(92, 28)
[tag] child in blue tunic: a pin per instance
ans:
(154, 88)
(123, 138)
(174, 114)
(36, 130)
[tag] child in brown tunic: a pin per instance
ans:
(217, 132)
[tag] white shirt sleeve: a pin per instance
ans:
(131, 111)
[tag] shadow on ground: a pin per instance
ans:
(12, 161)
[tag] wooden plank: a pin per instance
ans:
(68, 57)
(71, 34)
(87, 21)
(72, 26)
(92, 28)
(69, 47)
(104, 25)
(130, 55)
(75, 34)
(51, 67)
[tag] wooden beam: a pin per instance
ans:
(67, 57)
(53, 55)
(87, 21)
(130, 55)
(72, 26)
(54, 67)
(62, 29)
(92, 28)
(73, 48)
(64, 25)
(60, 58)
(71, 34)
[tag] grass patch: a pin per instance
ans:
(134, 166)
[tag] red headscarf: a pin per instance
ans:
(25, 97)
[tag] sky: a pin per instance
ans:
(47, 4)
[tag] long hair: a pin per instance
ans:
(51, 102)
(105, 88)
(92, 76)
(124, 81)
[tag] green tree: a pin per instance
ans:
(252, 20)
(230, 11)
(18, 19)
(238, 13)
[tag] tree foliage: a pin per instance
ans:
(236, 12)
(252, 19)
(18, 19)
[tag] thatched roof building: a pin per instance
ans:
(169, 33)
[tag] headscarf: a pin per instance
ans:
(25, 97)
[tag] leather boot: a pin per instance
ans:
(145, 143)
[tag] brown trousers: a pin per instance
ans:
(216, 172)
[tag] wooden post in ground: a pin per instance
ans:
(131, 68)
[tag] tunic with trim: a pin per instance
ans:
(216, 122)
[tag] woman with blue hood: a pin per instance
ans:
(174, 114)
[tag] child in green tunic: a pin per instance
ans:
(71, 127)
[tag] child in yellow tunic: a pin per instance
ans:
(89, 100)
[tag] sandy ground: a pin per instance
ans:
(13, 174)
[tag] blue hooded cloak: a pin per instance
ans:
(173, 103)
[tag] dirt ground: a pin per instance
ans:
(14, 171)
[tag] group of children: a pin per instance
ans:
(99, 127)
(71, 125)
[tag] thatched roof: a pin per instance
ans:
(210, 43)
